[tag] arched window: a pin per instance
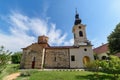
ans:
(55, 59)
(33, 59)
(104, 57)
(72, 58)
(80, 33)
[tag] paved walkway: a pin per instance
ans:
(12, 76)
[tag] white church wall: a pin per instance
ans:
(77, 63)
(79, 54)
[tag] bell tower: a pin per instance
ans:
(79, 32)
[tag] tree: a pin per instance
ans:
(111, 66)
(4, 58)
(114, 40)
(16, 57)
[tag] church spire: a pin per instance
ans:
(77, 19)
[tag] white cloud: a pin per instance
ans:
(15, 43)
(70, 42)
(55, 35)
(22, 27)
(38, 26)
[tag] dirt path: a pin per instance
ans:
(12, 76)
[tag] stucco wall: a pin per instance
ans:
(77, 38)
(102, 54)
(79, 53)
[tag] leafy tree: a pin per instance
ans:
(4, 58)
(114, 40)
(111, 66)
(96, 56)
(16, 57)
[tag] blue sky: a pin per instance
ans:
(22, 21)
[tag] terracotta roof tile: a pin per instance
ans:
(101, 49)
(35, 44)
(53, 47)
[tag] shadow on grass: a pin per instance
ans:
(95, 77)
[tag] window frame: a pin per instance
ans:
(72, 57)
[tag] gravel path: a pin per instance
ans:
(12, 76)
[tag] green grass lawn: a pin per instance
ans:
(54, 75)
(67, 75)
(64, 75)
(34, 74)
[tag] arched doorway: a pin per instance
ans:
(33, 63)
(86, 60)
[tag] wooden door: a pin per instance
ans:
(33, 64)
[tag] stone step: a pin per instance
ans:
(63, 70)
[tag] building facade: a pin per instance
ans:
(42, 55)
(101, 52)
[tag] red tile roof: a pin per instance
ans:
(101, 49)
(34, 44)
(59, 47)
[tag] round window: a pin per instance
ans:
(79, 27)
(85, 49)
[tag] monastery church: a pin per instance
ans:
(41, 55)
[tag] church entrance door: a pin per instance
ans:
(33, 64)
(86, 60)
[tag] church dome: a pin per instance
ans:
(43, 39)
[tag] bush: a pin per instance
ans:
(16, 57)
(25, 74)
